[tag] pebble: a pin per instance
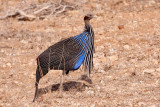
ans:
(39, 38)
(32, 76)
(102, 82)
(133, 60)
(113, 58)
(151, 2)
(92, 105)
(97, 88)
(31, 62)
(96, 64)
(149, 71)
(2, 50)
(90, 92)
(100, 48)
(121, 27)
(158, 69)
(141, 104)
(126, 47)
(102, 71)
(12, 71)
(24, 41)
(4, 66)
(103, 59)
(153, 105)
(8, 64)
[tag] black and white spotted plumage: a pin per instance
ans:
(68, 54)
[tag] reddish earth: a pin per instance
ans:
(126, 62)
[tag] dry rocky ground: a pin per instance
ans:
(126, 63)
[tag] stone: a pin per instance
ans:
(2, 50)
(151, 2)
(153, 105)
(102, 71)
(98, 48)
(121, 27)
(39, 38)
(103, 60)
(133, 60)
(158, 69)
(149, 71)
(8, 64)
(113, 58)
(126, 47)
(24, 41)
(90, 92)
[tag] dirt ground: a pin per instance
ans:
(126, 62)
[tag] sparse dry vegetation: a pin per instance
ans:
(126, 62)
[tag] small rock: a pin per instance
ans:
(101, 71)
(39, 38)
(155, 62)
(149, 71)
(31, 62)
(126, 47)
(141, 103)
(102, 82)
(153, 105)
(133, 60)
(92, 105)
(111, 50)
(151, 2)
(96, 64)
(8, 64)
(90, 92)
(4, 66)
(100, 48)
(24, 41)
(97, 88)
(121, 27)
(113, 58)
(32, 76)
(2, 50)
(158, 69)
(104, 60)
(12, 71)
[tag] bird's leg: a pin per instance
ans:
(61, 83)
(88, 74)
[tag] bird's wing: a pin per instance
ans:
(61, 55)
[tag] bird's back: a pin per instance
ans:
(63, 55)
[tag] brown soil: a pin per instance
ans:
(126, 62)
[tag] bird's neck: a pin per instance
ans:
(88, 27)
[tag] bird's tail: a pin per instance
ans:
(40, 72)
(38, 77)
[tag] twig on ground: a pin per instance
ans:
(23, 15)
(45, 11)
(40, 10)
(53, 10)
(9, 15)
(64, 9)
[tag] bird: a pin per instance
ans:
(68, 54)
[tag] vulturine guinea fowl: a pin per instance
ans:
(68, 54)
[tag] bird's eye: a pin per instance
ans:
(90, 15)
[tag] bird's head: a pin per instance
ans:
(89, 17)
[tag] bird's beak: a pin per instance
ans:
(95, 16)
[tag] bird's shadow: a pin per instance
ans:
(80, 85)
